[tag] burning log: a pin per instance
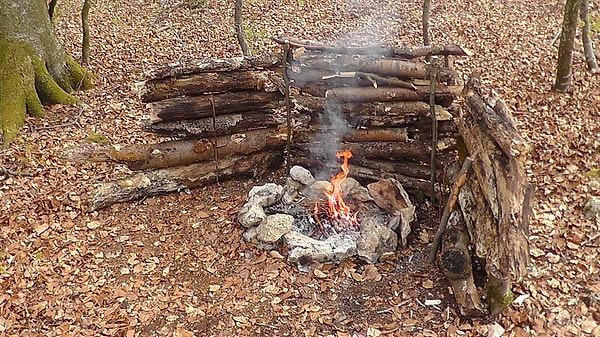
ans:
(188, 151)
(205, 82)
(171, 179)
(195, 107)
(220, 125)
(499, 225)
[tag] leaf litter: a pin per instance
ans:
(177, 265)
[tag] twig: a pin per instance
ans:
(434, 133)
(286, 79)
(590, 240)
(458, 183)
(64, 125)
(5, 171)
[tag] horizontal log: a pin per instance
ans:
(409, 151)
(443, 98)
(393, 109)
(381, 50)
(188, 151)
(196, 84)
(307, 133)
(377, 65)
(195, 107)
(146, 184)
(221, 125)
(312, 76)
(366, 174)
(175, 69)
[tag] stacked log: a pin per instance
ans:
(216, 110)
(382, 95)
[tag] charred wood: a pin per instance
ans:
(223, 124)
(195, 107)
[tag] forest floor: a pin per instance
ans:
(177, 265)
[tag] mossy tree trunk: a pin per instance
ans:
(34, 68)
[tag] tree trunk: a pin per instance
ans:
(588, 46)
(34, 68)
(564, 69)
(239, 28)
(425, 18)
(85, 28)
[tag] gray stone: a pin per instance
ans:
(250, 236)
(302, 175)
(307, 252)
(291, 190)
(274, 227)
(252, 213)
(316, 189)
(375, 239)
(592, 208)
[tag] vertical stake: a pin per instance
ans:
(433, 72)
(214, 141)
(286, 80)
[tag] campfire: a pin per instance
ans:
(319, 221)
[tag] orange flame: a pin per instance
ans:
(336, 204)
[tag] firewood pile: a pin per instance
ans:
(227, 117)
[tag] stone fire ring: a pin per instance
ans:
(375, 236)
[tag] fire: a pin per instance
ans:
(338, 210)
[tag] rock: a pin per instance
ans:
(317, 189)
(253, 213)
(308, 253)
(274, 227)
(351, 187)
(592, 208)
(291, 190)
(391, 196)
(250, 236)
(302, 175)
(375, 240)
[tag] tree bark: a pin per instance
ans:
(34, 68)
(202, 83)
(496, 205)
(588, 46)
(181, 108)
(146, 184)
(564, 70)
(425, 22)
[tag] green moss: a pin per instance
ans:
(98, 139)
(497, 300)
(26, 84)
(593, 174)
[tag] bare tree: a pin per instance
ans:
(564, 69)
(426, 9)
(239, 28)
(85, 44)
(588, 47)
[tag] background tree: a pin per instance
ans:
(34, 67)
(588, 46)
(85, 27)
(239, 29)
(564, 70)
